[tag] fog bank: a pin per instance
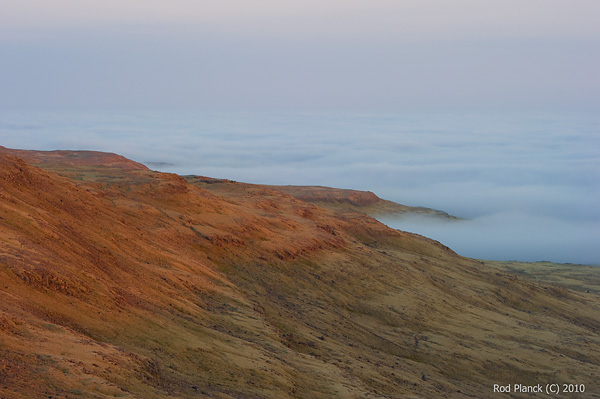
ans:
(512, 236)
(529, 183)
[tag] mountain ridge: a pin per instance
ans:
(124, 282)
(343, 200)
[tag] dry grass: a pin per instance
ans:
(129, 283)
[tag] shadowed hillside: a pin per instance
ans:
(117, 281)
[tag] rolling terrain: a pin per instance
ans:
(118, 281)
(340, 200)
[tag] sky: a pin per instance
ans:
(289, 55)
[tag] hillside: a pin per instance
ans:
(117, 281)
(341, 200)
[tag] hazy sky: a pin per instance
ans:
(351, 54)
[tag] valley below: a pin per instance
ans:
(119, 281)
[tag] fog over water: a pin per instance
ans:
(528, 184)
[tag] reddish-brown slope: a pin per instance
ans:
(74, 158)
(102, 263)
(341, 200)
(139, 284)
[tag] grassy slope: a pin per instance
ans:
(580, 278)
(340, 200)
(129, 283)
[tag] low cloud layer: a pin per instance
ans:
(512, 236)
(528, 183)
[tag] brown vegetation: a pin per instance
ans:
(122, 282)
(340, 200)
